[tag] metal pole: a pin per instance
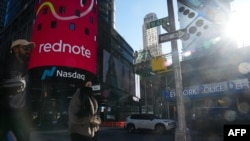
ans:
(146, 101)
(181, 134)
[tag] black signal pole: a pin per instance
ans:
(181, 133)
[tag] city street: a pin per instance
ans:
(117, 134)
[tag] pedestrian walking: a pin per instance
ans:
(83, 119)
(15, 117)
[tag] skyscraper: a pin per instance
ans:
(106, 12)
(150, 36)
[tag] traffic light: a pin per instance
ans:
(159, 64)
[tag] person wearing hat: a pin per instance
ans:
(15, 107)
(21, 49)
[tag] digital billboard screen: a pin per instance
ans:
(65, 35)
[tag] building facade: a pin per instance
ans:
(51, 96)
(221, 88)
(215, 76)
(151, 36)
(16, 19)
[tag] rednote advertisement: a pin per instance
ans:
(65, 34)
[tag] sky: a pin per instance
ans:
(129, 19)
(130, 15)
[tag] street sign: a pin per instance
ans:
(157, 22)
(172, 35)
(166, 27)
(96, 87)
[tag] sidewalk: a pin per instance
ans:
(63, 134)
(65, 130)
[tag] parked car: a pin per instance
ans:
(151, 122)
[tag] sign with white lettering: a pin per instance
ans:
(178, 34)
(96, 87)
(211, 89)
(239, 132)
(65, 38)
(157, 22)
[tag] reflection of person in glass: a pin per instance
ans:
(111, 79)
(125, 77)
(15, 117)
(111, 75)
